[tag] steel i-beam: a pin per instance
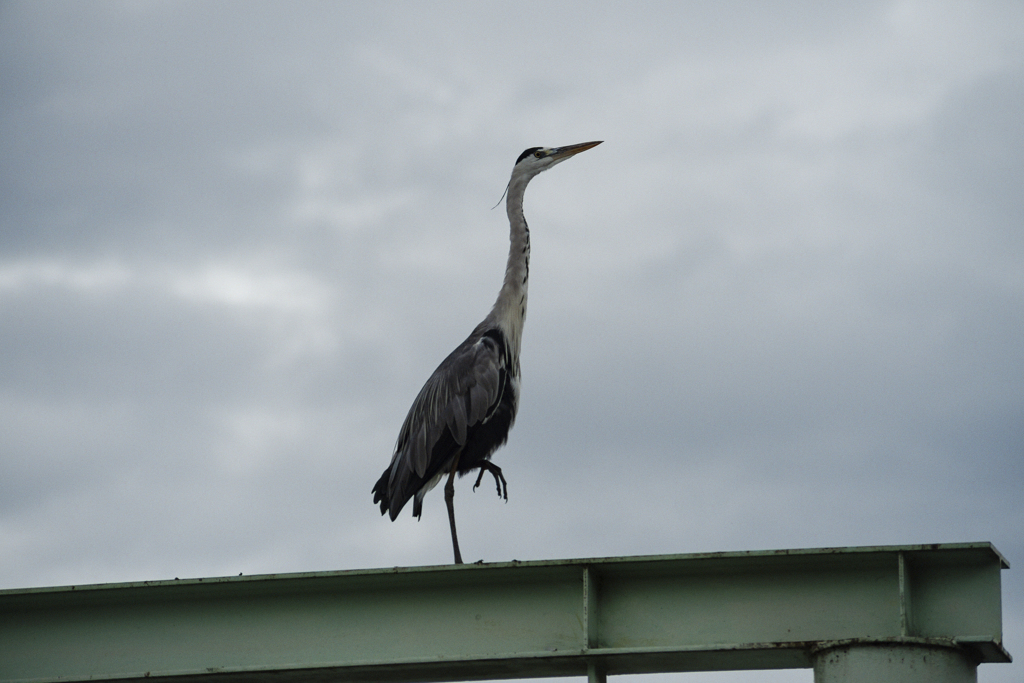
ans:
(842, 611)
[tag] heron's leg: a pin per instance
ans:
(499, 478)
(449, 500)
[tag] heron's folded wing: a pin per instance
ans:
(460, 394)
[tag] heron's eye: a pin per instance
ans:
(539, 154)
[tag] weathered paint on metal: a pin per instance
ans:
(585, 617)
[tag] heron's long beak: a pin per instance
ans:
(563, 153)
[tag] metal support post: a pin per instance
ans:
(889, 662)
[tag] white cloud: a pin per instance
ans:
(19, 275)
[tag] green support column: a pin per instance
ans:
(882, 662)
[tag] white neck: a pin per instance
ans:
(509, 309)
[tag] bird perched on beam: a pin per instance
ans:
(464, 411)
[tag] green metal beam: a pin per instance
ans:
(589, 617)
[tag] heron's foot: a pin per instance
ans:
(499, 478)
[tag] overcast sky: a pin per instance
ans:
(782, 306)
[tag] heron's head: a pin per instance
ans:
(537, 159)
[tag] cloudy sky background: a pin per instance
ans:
(782, 306)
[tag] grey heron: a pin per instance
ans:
(465, 410)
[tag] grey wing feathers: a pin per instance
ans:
(461, 393)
